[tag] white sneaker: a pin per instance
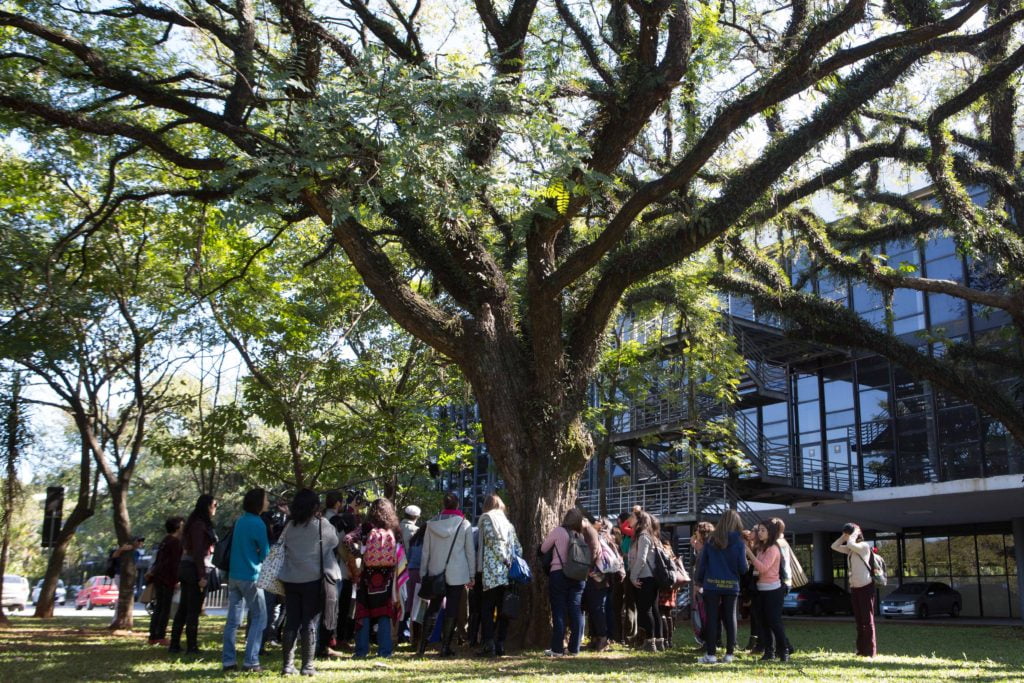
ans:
(552, 653)
(708, 659)
(727, 659)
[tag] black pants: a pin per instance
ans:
(757, 618)
(647, 614)
(494, 625)
(274, 604)
(615, 608)
(454, 599)
(346, 625)
(721, 609)
(773, 633)
(302, 607)
(162, 612)
(189, 605)
(595, 597)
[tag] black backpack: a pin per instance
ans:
(113, 565)
(222, 552)
(661, 568)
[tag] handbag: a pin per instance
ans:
(147, 594)
(510, 603)
(272, 566)
(519, 570)
(434, 585)
(222, 551)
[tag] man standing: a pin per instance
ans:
(249, 547)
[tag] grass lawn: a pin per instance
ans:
(81, 649)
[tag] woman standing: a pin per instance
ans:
(641, 573)
(770, 591)
(164, 577)
(448, 550)
(381, 577)
(309, 544)
(197, 544)
(862, 587)
(722, 562)
(498, 544)
(566, 594)
(597, 593)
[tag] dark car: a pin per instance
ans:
(922, 600)
(817, 599)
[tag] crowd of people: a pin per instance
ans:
(324, 580)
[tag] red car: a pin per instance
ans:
(98, 590)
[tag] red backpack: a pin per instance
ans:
(380, 549)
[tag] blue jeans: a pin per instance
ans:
(253, 596)
(566, 596)
(383, 637)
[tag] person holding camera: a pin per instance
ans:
(862, 588)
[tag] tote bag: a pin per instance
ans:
(272, 567)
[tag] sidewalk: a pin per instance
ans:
(933, 621)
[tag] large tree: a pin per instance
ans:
(532, 162)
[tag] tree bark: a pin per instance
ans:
(123, 613)
(82, 511)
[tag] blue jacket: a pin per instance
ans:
(718, 570)
(249, 547)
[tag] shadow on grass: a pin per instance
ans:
(82, 649)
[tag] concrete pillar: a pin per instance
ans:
(821, 556)
(1018, 552)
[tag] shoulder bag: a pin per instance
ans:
(434, 585)
(272, 566)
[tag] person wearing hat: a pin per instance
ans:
(409, 528)
(409, 524)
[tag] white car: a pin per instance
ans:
(59, 595)
(15, 592)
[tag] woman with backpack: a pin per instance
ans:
(572, 556)
(862, 586)
(640, 561)
(722, 562)
(380, 578)
(448, 552)
(309, 546)
(597, 593)
(498, 543)
(197, 544)
(771, 591)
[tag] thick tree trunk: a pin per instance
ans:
(123, 613)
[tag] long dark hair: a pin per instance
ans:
(201, 512)
(305, 504)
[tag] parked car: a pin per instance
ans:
(98, 590)
(59, 595)
(16, 590)
(921, 600)
(817, 599)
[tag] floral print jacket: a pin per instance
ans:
(498, 542)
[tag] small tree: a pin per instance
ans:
(14, 436)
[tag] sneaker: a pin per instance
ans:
(231, 667)
(257, 669)
(728, 659)
(708, 659)
(552, 653)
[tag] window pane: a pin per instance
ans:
(995, 597)
(936, 554)
(992, 559)
(913, 559)
(809, 416)
(961, 550)
(945, 308)
(938, 247)
(949, 268)
(968, 588)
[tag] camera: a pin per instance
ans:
(849, 528)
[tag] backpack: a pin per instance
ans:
(222, 552)
(877, 568)
(113, 565)
(609, 562)
(576, 565)
(661, 568)
(379, 549)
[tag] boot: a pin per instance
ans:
(650, 645)
(487, 650)
(601, 644)
(660, 643)
(446, 637)
(751, 643)
(499, 648)
(424, 634)
(288, 651)
(308, 645)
